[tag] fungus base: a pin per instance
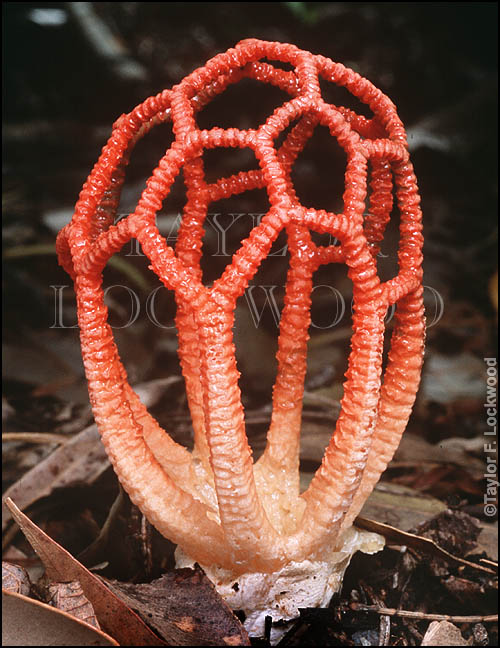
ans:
(280, 595)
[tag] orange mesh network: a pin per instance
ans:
(214, 501)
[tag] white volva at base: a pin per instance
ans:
(297, 585)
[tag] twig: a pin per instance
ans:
(35, 437)
(89, 553)
(480, 618)
(384, 633)
(489, 563)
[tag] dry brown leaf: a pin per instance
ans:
(81, 460)
(69, 597)
(113, 615)
(444, 633)
(185, 609)
(26, 622)
(400, 506)
(466, 453)
(15, 579)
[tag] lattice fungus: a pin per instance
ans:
(268, 548)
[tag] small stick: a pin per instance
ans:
(88, 554)
(488, 618)
(35, 437)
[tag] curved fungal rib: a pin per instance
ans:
(404, 367)
(149, 486)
